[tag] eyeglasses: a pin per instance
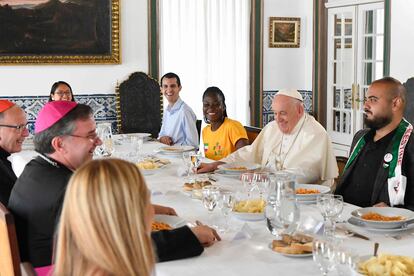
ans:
(19, 128)
(60, 93)
(92, 137)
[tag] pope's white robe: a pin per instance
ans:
(311, 156)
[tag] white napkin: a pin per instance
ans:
(245, 232)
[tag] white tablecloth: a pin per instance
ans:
(247, 256)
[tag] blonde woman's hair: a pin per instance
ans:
(103, 227)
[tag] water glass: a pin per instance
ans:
(210, 198)
(187, 161)
(104, 132)
(323, 252)
(282, 215)
(226, 204)
(195, 158)
(345, 261)
(330, 207)
(247, 180)
(261, 182)
(137, 142)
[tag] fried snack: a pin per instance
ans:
(385, 265)
(157, 226)
(196, 185)
(250, 206)
(171, 149)
(241, 168)
(379, 217)
(303, 191)
(148, 165)
(296, 244)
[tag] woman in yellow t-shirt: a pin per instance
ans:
(222, 135)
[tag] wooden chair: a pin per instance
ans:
(139, 105)
(9, 249)
(341, 161)
(252, 133)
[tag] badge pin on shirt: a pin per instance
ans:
(387, 160)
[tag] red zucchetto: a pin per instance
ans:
(5, 104)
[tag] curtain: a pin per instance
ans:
(206, 42)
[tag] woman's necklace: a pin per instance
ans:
(279, 161)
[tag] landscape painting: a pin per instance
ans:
(59, 31)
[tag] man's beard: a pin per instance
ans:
(377, 122)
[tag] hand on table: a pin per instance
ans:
(163, 210)
(381, 204)
(206, 235)
(208, 167)
(166, 140)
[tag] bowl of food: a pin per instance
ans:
(249, 209)
(383, 217)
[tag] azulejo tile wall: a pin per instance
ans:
(103, 106)
(267, 111)
(104, 109)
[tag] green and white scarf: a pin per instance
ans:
(396, 181)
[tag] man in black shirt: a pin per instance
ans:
(13, 131)
(380, 170)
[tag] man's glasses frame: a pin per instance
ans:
(19, 128)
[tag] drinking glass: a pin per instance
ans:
(247, 180)
(261, 182)
(331, 207)
(323, 253)
(226, 204)
(104, 132)
(137, 142)
(345, 261)
(195, 158)
(187, 161)
(210, 197)
(282, 215)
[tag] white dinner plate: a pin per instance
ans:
(249, 216)
(237, 168)
(304, 255)
(385, 211)
(358, 223)
(311, 197)
(174, 150)
(173, 221)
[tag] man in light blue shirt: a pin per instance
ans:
(179, 121)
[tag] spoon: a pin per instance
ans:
(376, 246)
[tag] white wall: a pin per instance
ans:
(85, 79)
(288, 67)
(283, 67)
(402, 39)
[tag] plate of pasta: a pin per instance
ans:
(237, 168)
(309, 192)
(166, 222)
(385, 265)
(383, 217)
(250, 209)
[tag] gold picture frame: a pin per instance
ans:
(60, 32)
(284, 32)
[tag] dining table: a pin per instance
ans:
(245, 247)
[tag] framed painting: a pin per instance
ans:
(284, 32)
(59, 32)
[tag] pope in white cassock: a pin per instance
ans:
(294, 141)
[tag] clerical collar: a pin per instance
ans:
(49, 160)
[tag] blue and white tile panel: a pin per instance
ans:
(103, 106)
